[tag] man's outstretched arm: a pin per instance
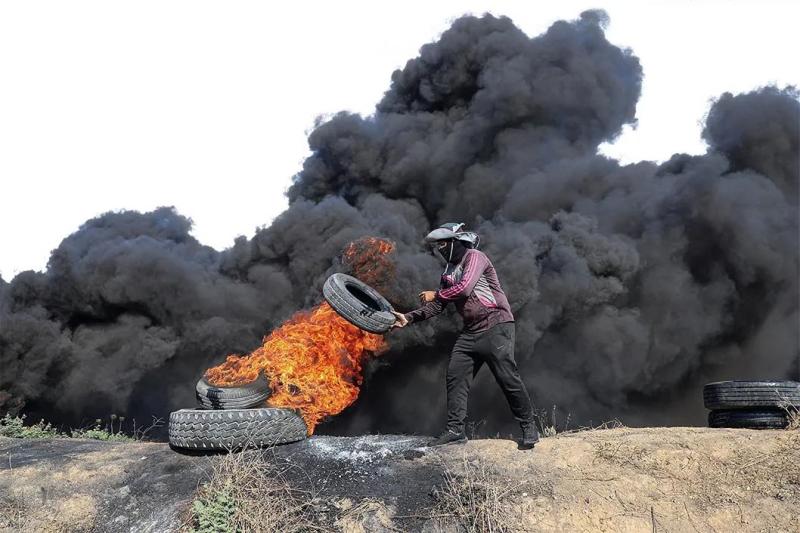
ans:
(425, 312)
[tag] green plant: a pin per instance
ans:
(214, 512)
(15, 427)
(247, 493)
(101, 432)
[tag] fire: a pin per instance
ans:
(370, 261)
(314, 360)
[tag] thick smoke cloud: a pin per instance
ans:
(124, 301)
(758, 131)
(631, 285)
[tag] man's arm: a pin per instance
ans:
(474, 265)
(426, 311)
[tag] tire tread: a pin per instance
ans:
(746, 394)
(355, 311)
(234, 429)
(250, 394)
(748, 418)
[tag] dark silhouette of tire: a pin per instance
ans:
(749, 394)
(748, 418)
(358, 303)
(239, 397)
(232, 429)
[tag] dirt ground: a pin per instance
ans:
(649, 479)
(626, 479)
(66, 485)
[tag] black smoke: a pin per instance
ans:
(632, 285)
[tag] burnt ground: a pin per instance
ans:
(623, 479)
(85, 485)
(389, 468)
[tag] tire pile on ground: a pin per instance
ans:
(232, 418)
(752, 404)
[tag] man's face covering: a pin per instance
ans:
(450, 251)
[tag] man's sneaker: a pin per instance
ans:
(449, 437)
(530, 435)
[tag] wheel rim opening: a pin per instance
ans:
(363, 297)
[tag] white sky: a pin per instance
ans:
(206, 105)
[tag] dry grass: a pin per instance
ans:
(610, 424)
(794, 419)
(246, 493)
(735, 474)
(20, 511)
(625, 479)
(548, 422)
(550, 426)
(13, 513)
(473, 499)
(368, 515)
(792, 413)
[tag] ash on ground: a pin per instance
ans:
(367, 449)
(386, 467)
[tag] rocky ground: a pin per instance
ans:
(648, 479)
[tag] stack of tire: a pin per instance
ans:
(752, 404)
(236, 417)
(232, 418)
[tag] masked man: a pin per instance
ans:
(470, 282)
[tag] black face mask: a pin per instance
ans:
(452, 252)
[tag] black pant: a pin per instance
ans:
(495, 347)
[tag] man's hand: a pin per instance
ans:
(400, 320)
(427, 296)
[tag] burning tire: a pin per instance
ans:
(749, 394)
(358, 303)
(234, 428)
(239, 397)
(748, 418)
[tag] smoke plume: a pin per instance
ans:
(632, 285)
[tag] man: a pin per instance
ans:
(470, 282)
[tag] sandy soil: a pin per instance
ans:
(627, 480)
(650, 479)
(72, 485)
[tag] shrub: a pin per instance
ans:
(101, 432)
(473, 499)
(15, 427)
(245, 493)
(215, 512)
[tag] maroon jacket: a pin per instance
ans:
(473, 286)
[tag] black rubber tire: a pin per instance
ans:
(747, 394)
(239, 397)
(358, 303)
(748, 418)
(234, 428)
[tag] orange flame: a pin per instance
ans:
(369, 260)
(314, 360)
